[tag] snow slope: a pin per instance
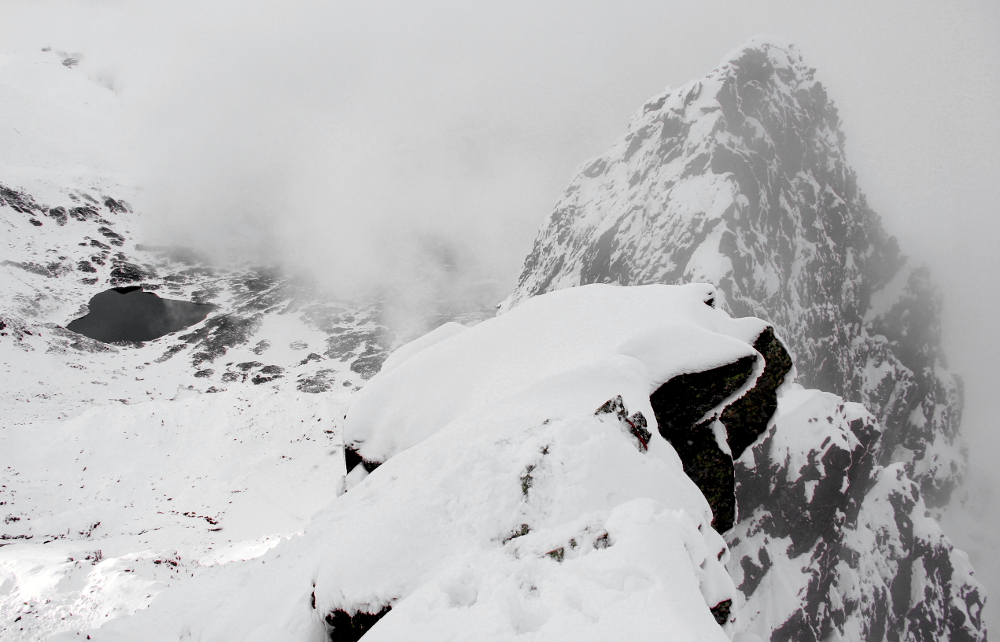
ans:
(504, 507)
(518, 513)
(127, 468)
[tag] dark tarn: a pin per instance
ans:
(129, 314)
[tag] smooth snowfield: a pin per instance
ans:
(109, 507)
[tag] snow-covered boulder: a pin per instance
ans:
(667, 351)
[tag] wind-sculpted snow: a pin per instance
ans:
(659, 332)
(696, 366)
(740, 179)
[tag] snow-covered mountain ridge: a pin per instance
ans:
(740, 179)
(190, 487)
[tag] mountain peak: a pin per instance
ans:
(739, 179)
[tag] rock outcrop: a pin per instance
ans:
(682, 405)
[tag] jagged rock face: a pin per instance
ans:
(740, 179)
(832, 545)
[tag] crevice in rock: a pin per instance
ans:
(722, 610)
(685, 399)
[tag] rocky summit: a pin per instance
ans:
(740, 179)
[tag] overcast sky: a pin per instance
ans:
(355, 139)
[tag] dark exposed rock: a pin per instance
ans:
(219, 333)
(265, 374)
(353, 458)
(117, 207)
(634, 425)
(84, 213)
(125, 272)
(204, 374)
(711, 470)
(746, 418)
(345, 627)
(248, 365)
(58, 214)
(823, 515)
(261, 346)
(721, 611)
(322, 381)
(170, 352)
(18, 200)
(369, 363)
(685, 399)
(347, 341)
(113, 237)
(51, 270)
